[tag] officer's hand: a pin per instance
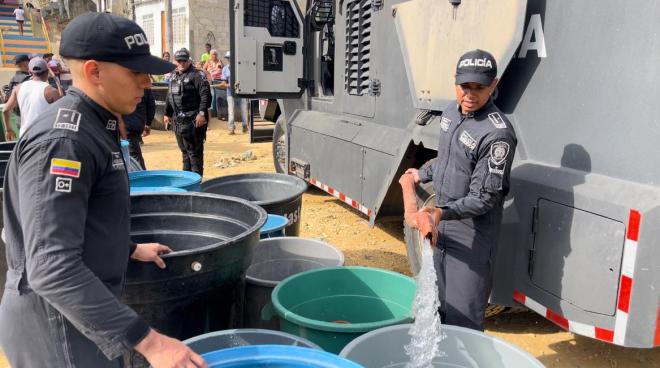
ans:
(427, 226)
(200, 120)
(167, 121)
(9, 135)
(150, 252)
(415, 174)
(146, 131)
(165, 352)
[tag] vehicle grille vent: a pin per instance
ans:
(358, 46)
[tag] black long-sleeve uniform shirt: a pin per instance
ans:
(66, 218)
(471, 176)
(143, 115)
(189, 93)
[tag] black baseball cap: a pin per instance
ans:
(182, 55)
(21, 58)
(476, 66)
(107, 37)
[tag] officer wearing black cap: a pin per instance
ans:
(186, 108)
(66, 213)
(471, 178)
(22, 74)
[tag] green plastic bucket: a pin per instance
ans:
(333, 306)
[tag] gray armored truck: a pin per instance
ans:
(362, 83)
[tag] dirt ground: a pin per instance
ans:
(330, 220)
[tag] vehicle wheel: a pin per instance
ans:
(280, 145)
(425, 195)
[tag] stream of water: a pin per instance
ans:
(426, 332)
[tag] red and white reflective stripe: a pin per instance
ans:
(626, 280)
(618, 336)
(656, 341)
(576, 327)
(341, 196)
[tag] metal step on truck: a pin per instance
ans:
(361, 85)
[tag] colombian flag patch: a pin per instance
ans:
(59, 166)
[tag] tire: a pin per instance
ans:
(425, 195)
(280, 146)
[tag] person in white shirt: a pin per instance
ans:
(20, 18)
(32, 96)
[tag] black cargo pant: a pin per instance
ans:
(463, 264)
(33, 334)
(191, 143)
(134, 149)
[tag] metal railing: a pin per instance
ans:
(31, 22)
(44, 29)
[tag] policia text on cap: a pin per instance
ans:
(67, 214)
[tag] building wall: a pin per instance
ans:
(210, 23)
(153, 26)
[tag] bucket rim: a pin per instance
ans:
(281, 354)
(189, 175)
(238, 331)
(283, 222)
(338, 327)
(358, 340)
(254, 229)
(300, 183)
(270, 283)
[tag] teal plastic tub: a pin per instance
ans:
(333, 306)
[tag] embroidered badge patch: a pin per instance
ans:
(67, 119)
(467, 140)
(499, 151)
(59, 166)
(63, 185)
(117, 161)
(497, 120)
(444, 124)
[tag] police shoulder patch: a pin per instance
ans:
(60, 166)
(63, 185)
(499, 151)
(67, 119)
(497, 120)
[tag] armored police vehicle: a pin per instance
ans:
(362, 84)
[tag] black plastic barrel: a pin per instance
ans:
(278, 194)
(213, 238)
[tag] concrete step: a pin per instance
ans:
(24, 38)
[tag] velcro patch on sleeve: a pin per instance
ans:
(60, 166)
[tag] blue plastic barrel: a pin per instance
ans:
(275, 356)
(274, 227)
(135, 190)
(186, 180)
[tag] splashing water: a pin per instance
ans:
(425, 332)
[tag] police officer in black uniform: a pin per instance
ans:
(471, 179)
(66, 214)
(21, 75)
(186, 108)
